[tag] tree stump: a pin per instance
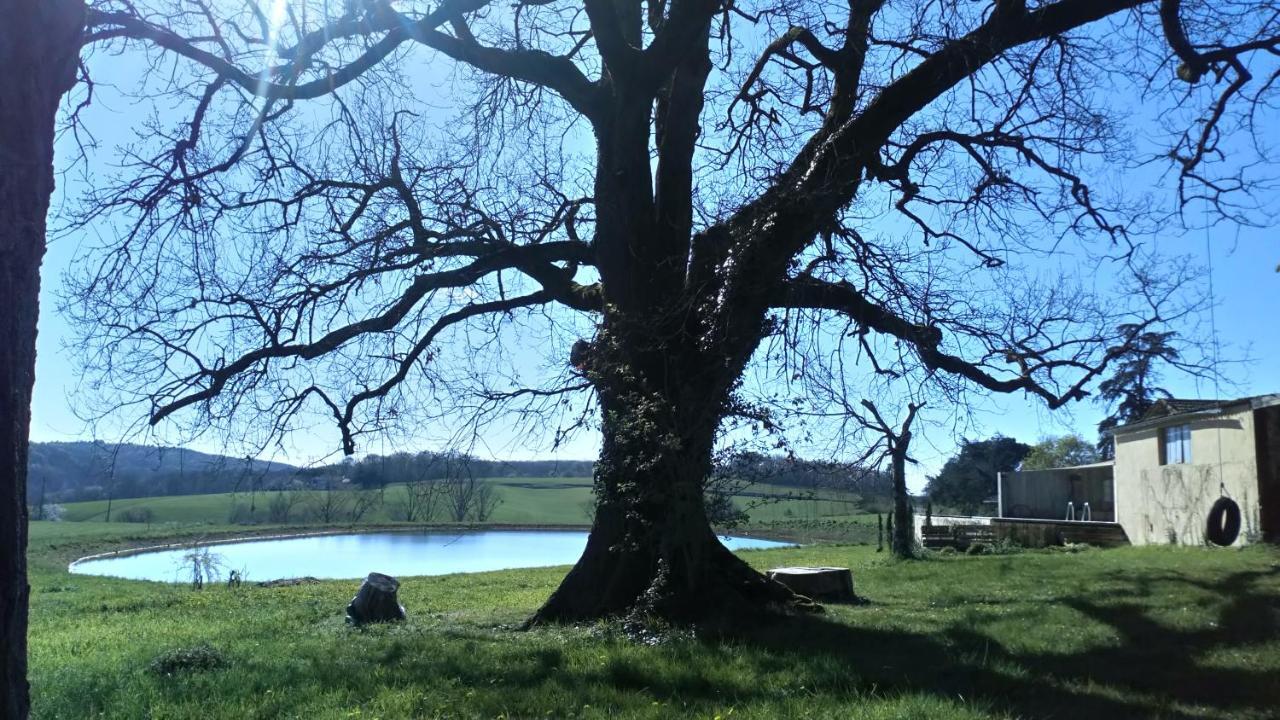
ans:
(827, 584)
(376, 601)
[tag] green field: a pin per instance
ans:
(1127, 633)
(559, 501)
(524, 501)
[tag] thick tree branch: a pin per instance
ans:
(847, 150)
(622, 56)
(406, 363)
(420, 288)
(533, 66)
(810, 293)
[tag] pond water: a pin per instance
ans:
(356, 555)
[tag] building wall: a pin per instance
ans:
(1044, 494)
(1164, 504)
(948, 520)
(1266, 423)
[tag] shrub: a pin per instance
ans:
(197, 658)
(136, 515)
(1005, 546)
(240, 514)
(281, 508)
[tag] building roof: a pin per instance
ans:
(1179, 406)
(1176, 408)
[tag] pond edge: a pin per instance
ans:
(127, 552)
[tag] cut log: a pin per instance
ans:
(376, 601)
(825, 584)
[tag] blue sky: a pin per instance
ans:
(1245, 280)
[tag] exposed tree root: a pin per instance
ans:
(709, 589)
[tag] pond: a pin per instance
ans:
(356, 555)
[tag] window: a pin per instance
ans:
(1175, 445)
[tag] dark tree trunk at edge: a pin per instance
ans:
(39, 46)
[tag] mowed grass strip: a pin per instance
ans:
(1127, 633)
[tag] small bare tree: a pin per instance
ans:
(894, 444)
(201, 565)
(485, 501)
(419, 500)
(469, 498)
(283, 505)
(329, 503)
(363, 502)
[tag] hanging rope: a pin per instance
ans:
(1213, 331)
(1222, 527)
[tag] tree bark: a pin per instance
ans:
(39, 47)
(903, 541)
(663, 377)
(376, 601)
(652, 552)
(646, 558)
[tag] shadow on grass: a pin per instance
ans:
(1152, 671)
(1148, 670)
(1142, 668)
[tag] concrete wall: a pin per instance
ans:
(1164, 504)
(949, 520)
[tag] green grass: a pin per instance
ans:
(525, 501)
(1128, 633)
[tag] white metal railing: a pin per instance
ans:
(1086, 513)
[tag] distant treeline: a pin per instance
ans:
(65, 472)
(77, 471)
(755, 468)
(741, 469)
(403, 467)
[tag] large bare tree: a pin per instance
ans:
(39, 49)
(369, 204)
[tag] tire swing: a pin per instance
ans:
(1223, 525)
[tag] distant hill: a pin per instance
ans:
(73, 471)
(62, 472)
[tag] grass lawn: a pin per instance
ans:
(1133, 632)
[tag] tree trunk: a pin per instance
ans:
(904, 527)
(39, 46)
(663, 371)
(376, 601)
(652, 552)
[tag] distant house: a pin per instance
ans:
(1174, 463)
(1170, 468)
